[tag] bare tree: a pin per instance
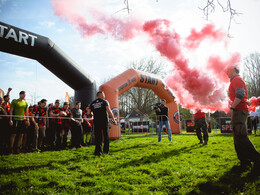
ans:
(208, 9)
(140, 98)
(211, 6)
(252, 74)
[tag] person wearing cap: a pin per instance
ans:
(162, 111)
(238, 111)
(55, 126)
(18, 107)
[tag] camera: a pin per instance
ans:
(157, 106)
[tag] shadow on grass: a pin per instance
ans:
(142, 145)
(35, 167)
(155, 158)
(232, 182)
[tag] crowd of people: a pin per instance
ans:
(39, 127)
(46, 127)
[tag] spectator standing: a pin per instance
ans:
(237, 91)
(19, 121)
(101, 109)
(200, 123)
(255, 121)
(162, 111)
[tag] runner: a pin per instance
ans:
(55, 125)
(87, 127)
(18, 122)
(40, 117)
(65, 124)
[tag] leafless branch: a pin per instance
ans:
(211, 6)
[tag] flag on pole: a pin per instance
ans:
(67, 99)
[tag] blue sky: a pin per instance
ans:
(101, 56)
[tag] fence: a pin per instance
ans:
(149, 126)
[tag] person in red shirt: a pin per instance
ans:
(65, 124)
(237, 91)
(40, 117)
(55, 125)
(87, 126)
(200, 123)
(6, 126)
(3, 144)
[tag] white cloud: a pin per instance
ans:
(60, 29)
(23, 73)
(48, 24)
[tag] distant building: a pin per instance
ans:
(135, 115)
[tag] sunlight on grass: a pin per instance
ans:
(136, 165)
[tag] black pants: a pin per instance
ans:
(254, 125)
(76, 134)
(4, 136)
(201, 124)
(246, 151)
(100, 128)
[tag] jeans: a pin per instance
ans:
(167, 124)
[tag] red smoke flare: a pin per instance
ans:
(254, 103)
(195, 88)
(202, 88)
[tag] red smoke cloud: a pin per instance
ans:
(208, 32)
(102, 23)
(254, 103)
(195, 87)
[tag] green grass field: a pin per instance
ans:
(136, 165)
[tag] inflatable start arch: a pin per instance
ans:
(134, 78)
(23, 43)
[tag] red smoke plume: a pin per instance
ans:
(254, 103)
(102, 23)
(195, 88)
(203, 88)
(208, 32)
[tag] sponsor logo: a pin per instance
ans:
(176, 117)
(115, 112)
(126, 84)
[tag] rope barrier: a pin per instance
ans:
(58, 117)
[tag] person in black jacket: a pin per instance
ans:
(162, 111)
